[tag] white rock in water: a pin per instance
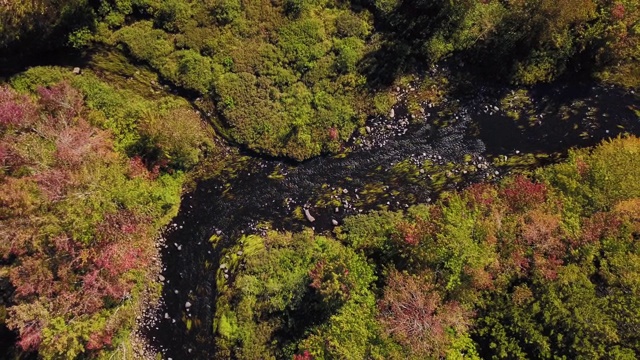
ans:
(166, 316)
(77, 71)
(187, 305)
(308, 215)
(334, 222)
(161, 278)
(392, 113)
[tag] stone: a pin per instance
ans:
(187, 305)
(368, 129)
(77, 71)
(392, 113)
(308, 215)
(334, 222)
(161, 278)
(166, 316)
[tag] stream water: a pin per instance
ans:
(478, 143)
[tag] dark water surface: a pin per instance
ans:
(477, 135)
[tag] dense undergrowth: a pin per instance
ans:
(531, 267)
(89, 174)
(295, 78)
(92, 165)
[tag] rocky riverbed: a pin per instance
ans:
(399, 160)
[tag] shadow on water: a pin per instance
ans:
(555, 119)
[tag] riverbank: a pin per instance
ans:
(389, 168)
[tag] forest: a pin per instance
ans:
(113, 112)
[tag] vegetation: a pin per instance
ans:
(531, 267)
(93, 163)
(88, 178)
(295, 78)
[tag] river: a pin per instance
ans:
(399, 162)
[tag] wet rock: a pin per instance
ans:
(187, 305)
(392, 113)
(161, 278)
(334, 222)
(308, 215)
(166, 316)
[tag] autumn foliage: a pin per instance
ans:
(414, 313)
(75, 249)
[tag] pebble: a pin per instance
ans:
(334, 222)
(187, 305)
(161, 278)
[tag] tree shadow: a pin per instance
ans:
(492, 59)
(44, 39)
